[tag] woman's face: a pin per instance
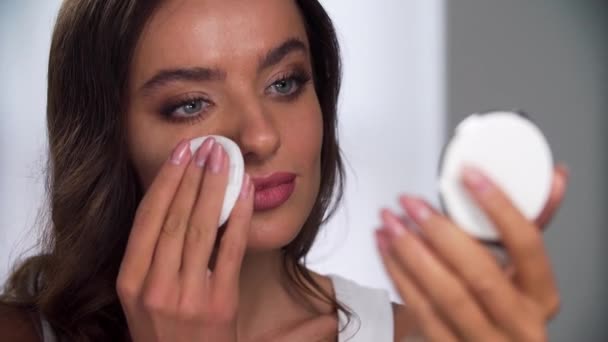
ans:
(237, 68)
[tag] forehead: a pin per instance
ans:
(214, 32)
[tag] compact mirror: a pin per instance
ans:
(509, 148)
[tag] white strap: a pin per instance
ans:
(372, 318)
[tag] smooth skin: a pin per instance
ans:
(454, 288)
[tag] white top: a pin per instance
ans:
(372, 319)
(373, 312)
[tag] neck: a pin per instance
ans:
(268, 299)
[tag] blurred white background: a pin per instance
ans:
(392, 120)
(25, 33)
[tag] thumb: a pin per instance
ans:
(558, 191)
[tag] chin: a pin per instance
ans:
(272, 230)
(276, 228)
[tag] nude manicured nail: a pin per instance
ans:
(217, 158)
(393, 225)
(203, 152)
(417, 209)
(181, 153)
(476, 180)
(246, 188)
(381, 240)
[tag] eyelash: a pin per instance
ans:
(300, 77)
(168, 110)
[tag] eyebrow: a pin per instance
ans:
(275, 55)
(164, 77)
(199, 74)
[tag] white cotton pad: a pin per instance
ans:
(512, 151)
(235, 175)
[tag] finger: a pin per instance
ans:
(558, 191)
(429, 323)
(169, 248)
(203, 226)
(521, 238)
(321, 329)
(234, 242)
(149, 217)
(443, 288)
(474, 264)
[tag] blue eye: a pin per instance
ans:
(291, 84)
(186, 110)
(190, 107)
(285, 86)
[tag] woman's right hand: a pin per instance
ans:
(164, 286)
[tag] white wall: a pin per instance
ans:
(391, 113)
(391, 120)
(25, 31)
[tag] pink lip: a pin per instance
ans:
(272, 191)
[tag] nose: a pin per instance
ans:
(256, 132)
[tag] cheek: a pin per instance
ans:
(308, 142)
(147, 169)
(149, 148)
(306, 139)
(302, 141)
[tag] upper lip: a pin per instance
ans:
(273, 179)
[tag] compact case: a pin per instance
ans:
(509, 148)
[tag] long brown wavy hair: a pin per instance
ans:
(92, 189)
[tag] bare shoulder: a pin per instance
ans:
(404, 321)
(16, 324)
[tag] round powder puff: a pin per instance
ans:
(512, 151)
(235, 174)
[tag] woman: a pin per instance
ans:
(133, 251)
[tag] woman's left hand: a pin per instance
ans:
(454, 287)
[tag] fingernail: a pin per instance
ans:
(393, 225)
(476, 180)
(246, 187)
(203, 152)
(416, 209)
(181, 153)
(381, 240)
(217, 158)
(410, 225)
